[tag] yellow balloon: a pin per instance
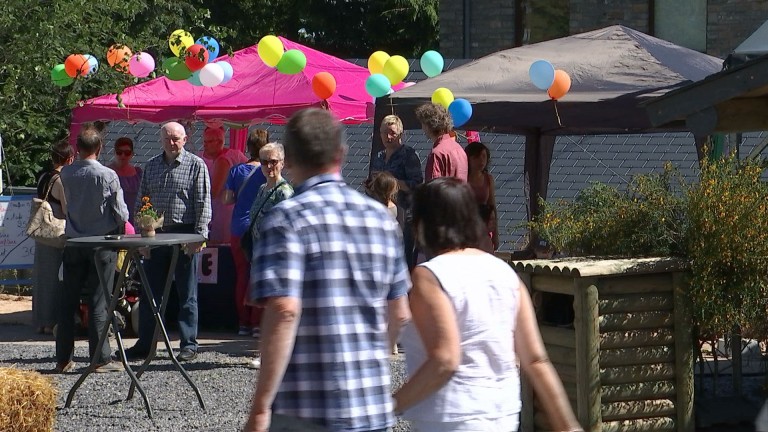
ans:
(179, 41)
(442, 96)
(270, 50)
(376, 62)
(396, 69)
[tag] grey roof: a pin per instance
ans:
(577, 162)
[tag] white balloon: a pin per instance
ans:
(211, 75)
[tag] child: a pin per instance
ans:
(383, 188)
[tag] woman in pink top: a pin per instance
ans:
(484, 187)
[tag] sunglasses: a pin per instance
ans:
(123, 152)
(270, 162)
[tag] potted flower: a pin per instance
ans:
(147, 218)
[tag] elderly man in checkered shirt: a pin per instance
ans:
(330, 272)
(177, 184)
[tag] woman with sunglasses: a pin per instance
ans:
(129, 175)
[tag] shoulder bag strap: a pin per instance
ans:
(50, 186)
(253, 222)
(242, 186)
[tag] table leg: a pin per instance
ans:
(160, 325)
(114, 296)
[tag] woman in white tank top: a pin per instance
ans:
(472, 322)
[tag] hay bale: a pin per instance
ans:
(27, 401)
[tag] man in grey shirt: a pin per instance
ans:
(95, 206)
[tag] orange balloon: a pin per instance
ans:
(560, 86)
(118, 57)
(76, 65)
(324, 85)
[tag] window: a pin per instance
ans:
(682, 22)
(540, 20)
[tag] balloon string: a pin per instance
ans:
(557, 114)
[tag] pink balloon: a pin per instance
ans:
(408, 84)
(141, 64)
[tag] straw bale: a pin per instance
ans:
(27, 401)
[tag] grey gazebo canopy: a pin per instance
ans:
(612, 70)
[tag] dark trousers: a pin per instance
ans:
(185, 275)
(81, 265)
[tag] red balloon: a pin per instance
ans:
(76, 65)
(196, 57)
(324, 85)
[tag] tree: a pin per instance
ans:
(344, 28)
(40, 34)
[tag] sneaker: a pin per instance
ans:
(64, 368)
(244, 331)
(255, 363)
(256, 332)
(186, 354)
(109, 367)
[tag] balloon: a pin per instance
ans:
(396, 69)
(270, 50)
(461, 111)
(118, 57)
(432, 63)
(228, 71)
(542, 74)
(211, 75)
(59, 76)
(194, 79)
(442, 96)
(76, 65)
(377, 85)
(212, 45)
(324, 85)
(179, 41)
(175, 69)
(93, 64)
(292, 62)
(376, 62)
(560, 86)
(141, 64)
(196, 57)
(408, 84)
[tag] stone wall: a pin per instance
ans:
(492, 22)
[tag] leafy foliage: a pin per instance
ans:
(718, 224)
(728, 245)
(646, 220)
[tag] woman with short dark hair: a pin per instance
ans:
(129, 174)
(472, 321)
(484, 187)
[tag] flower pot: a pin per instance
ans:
(148, 232)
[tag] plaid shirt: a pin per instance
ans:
(341, 254)
(181, 190)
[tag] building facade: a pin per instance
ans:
(475, 28)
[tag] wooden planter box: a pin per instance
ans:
(624, 349)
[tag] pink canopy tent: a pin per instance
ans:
(256, 93)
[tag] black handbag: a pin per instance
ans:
(246, 241)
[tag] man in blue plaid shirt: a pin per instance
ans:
(330, 272)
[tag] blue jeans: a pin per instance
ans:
(81, 265)
(185, 276)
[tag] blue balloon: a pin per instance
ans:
(211, 45)
(461, 111)
(195, 79)
(542, 74)
(93, 65)
(377, 85)
(432, 63)
(228, 71)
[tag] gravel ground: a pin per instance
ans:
(224, 380)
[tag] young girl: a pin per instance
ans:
(383, 188)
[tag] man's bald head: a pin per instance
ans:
(173, 137)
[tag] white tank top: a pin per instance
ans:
(484, 293)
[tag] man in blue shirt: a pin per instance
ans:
(329, 270)
(95, 206)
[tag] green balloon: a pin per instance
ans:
(59, 76)
(292, 62)
(175, 69)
